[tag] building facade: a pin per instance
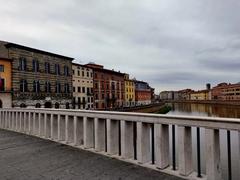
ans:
(200, 95)
(129, 91)
(82, 86)
(185, 94)
(39, 78)
(108, 88)
(226, 92)
(5, 83)
(143, 93)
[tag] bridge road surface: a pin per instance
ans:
(25, 157)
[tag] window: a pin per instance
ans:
(79, 89)
(66, 88)
(23, 86)
(102, 96)
(36, 86)
(35, 65)
(47, 68)
(1, 68)
(83, 73)
(87, 74)
(91, 74)
(47, 87)
(74, 89)
(57, 69)
(22, 64)
(83, 89)
(96, 96)
(58, 87)
(73, 72)
(88, 90)
(78, 73)
(2, 84)
(89, 99)
(66, 71)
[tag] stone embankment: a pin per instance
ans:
(211, 102)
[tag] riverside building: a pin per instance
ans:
(39, 78)
(108, 87)
(143, 93)
(129, 91)
(82, 86)
(5, 83)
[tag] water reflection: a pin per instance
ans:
(205, 110)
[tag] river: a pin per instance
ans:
(214, 111)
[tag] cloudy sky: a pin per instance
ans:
(172, 44)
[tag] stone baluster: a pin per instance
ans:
(88, 129)
(213, 166)
(112, 137)
(24, 122)
(161, 145)
(47, 125)
(185, 150)
(66, 128)
(34, 123)
(127, 148)
(99, 134)
(78, 131)
(69, 129)
(143, 142)
(61, 127)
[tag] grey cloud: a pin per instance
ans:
(169, 43)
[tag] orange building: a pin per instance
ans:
(5, 82)
(226, 92)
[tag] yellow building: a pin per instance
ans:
(5, 83)
(200, 95)
(129, 99)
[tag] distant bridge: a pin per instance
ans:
(147, 140)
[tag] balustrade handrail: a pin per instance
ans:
(137, 136)
(191, 121)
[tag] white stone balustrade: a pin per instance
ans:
(112, 133)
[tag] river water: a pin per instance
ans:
(214, 111)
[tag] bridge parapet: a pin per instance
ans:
(137, 137)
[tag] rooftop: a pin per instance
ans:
(13, 45)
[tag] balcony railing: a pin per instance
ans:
(147, 139)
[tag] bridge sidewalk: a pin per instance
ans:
(24, 157)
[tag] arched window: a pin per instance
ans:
(67, 105)
(35, 65)
(47, 87)
(38, 105)
(66, 71)
(57, 69)
(58, 87)
(36, 86)
(57, 105)
(66, 88)
(23, 85)
(22, 64)
(23, 105)
(48, 105)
